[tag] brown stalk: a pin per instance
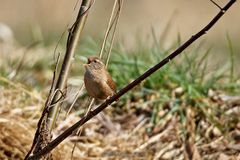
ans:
(42, 120)
(112, 21)
(43, 136)
(73, 38)
(91, 114)
(115, 22)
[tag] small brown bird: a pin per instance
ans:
(98, 82)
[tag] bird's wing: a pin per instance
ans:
(111, 83)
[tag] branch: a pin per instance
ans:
(216, 4)
(91, 114)
(44, 113)
(51, 108)
(72, 41)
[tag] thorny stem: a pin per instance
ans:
(91, 114)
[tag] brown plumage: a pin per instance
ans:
(98, 82)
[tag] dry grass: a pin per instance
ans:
(121, 136)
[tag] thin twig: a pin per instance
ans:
(58, 100)
(216, 4)
(137, 81)
(108, 29)
(75, 99)
(120, 3)
(81, 128)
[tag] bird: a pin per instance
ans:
(98, 82)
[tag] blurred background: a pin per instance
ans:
(50, 18)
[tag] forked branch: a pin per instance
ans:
(51, 109)
(72, 42)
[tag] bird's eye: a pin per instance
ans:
(95, 61)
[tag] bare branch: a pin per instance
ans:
(45, 111)
(49, 114)
(109, 27)
(73, 37)
(120, 4)
(216, 4)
